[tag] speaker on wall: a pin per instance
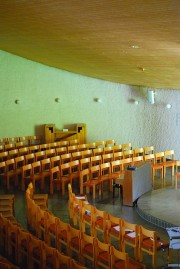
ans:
(151, 97)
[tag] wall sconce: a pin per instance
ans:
(17, 102)
(57, 99)
(151, 99)
(168, 106)
(136, 102)
(97, 100)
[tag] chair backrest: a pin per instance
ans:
(96, 160)
(118, 155)
(55, 161)
(72, 148)
(98, 151)
(65, 158)
(85, 163)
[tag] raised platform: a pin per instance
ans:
(161, 207)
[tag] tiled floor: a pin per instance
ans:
(58, 206)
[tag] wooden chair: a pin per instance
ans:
(117, 173)
(169, 161)
(137, 160)
(77, 205)
(130, 237)
(4, 223)
(77, 155)
(158, 165)
(150, 243)
(62, 230)
(43, 147)
(76, 265)
(102, 255)
(87, 214)
(20, 144)
(98, 151)
(13, 154)
(41, 220)
(91, 145)
(85, 163)
(96, 160)
(29, 158)
(108, 149)
(55, 161)
(73, 142)
(48, 257)
(19, 162)
(74, 243)
(82, 147)
(100, 144)
(46, 165)
(40, 155)
(12, 242)
(138, 152)
(177, 174)
(10, 172)
(118, 155)
(109, 157)
(55, 179)
(106, 176)
(100, 223)
(10, 146)
(35, 139)
(91, 180)
(50, 153)
(35, 252)
(37, 175)
(2, 171)
(61, 150)
(128, 154)
(88, 250)
(117, 148)
(127, 146)
(41, 199)
(4, 156)
(66, 158)
(63, 143)
(87, 153)
(121, 260)
(34, 148)
(65, 175)
(110, 142)
(23, 151)
(148, 150)
(23, 246)
(114, 230)
(75, 172)
(62, 261)
(72, 148)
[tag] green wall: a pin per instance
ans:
(36, 86)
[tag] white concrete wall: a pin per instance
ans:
(36, 86)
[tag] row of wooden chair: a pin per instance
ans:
(29, 169)
(90, 219)
(77, 244)
(23, 247)
(60, 149)
(6, 264)
(27, 140)
(33, 143)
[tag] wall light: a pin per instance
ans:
(136, 102)
(17, 102)
(97, 100)
(151, 99)
(57, 99)
(168, 106)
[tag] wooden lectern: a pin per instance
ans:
(136, 183)
(75, 131)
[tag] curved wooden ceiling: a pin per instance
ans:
(130, 42)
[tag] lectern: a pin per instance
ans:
(136, 182)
